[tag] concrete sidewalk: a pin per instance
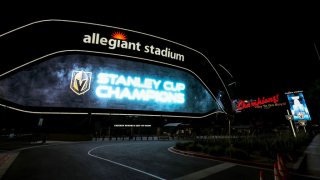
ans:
(6, 159)
(10, 150)
(310, 164)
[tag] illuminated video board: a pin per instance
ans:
(298, 106)
(88, 81)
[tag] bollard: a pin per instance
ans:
(281, 166)
(261, 175)
(275, 171)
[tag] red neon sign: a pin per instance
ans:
(260, 101)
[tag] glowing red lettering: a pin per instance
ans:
(243, 105)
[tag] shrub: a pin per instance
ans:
(215, 150)
(265, 145)
(183, 145)
(195, 147)
(237, 153)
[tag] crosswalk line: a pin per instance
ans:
(207, 172)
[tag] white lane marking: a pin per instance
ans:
(119, 164)
(207, 172)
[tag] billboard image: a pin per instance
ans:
(298, 106)
(107, 83)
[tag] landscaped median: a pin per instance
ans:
(258, 151)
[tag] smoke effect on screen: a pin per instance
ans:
(47, 84)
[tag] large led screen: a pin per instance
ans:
(298, 106)
(90, 81)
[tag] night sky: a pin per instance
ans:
(267, 51)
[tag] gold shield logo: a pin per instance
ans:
(80, 82)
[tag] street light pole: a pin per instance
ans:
(230, 146)
(290, 117)
(229, 130)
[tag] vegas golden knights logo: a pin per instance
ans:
(80, 82)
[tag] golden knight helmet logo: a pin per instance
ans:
(80, 82)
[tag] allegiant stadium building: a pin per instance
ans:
(64, 68)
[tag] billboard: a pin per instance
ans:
(298, 106)
(107, 83)
(105, 68)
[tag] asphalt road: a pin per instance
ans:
(121, 160)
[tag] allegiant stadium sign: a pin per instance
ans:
(118, 40)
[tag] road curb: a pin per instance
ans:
(224, 159)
